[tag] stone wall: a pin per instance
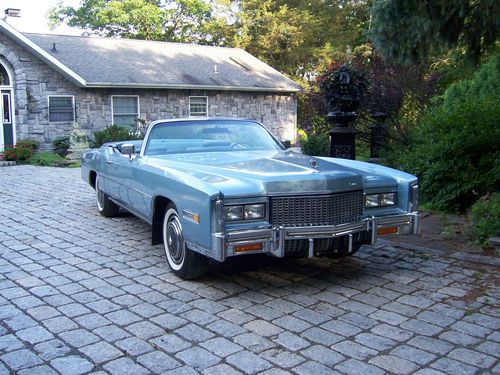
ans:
(34, 81)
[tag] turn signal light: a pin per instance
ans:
(251, 247)
(385, 231)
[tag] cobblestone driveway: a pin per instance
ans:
(80, 293)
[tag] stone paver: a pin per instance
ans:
(80, 293)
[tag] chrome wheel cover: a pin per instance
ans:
(173, 239)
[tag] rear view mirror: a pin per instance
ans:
(128, 149)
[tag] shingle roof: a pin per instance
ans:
(107, 62)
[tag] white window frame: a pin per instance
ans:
(138, 109)
(9, 87)
(206, 103)
(61, 96)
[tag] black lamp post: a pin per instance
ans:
(343, 89)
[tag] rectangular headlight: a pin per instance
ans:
(371, 200)
(388, 199)
(232, 213)
(380, 200)
(255, 211)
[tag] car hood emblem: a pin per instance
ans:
(313, 163)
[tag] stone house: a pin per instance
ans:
(48, 82)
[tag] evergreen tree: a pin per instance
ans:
(410, 30)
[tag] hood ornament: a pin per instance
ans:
(313, 163)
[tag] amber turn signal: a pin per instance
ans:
(251, 247)
(385, 231)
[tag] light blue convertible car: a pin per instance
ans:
(218, 188)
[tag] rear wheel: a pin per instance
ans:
(184, 262)
(104, 205)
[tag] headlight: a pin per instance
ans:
(255, 211)
(388, 199)
(371, 200)
(380, 200)
(233, 213)
(245, 212)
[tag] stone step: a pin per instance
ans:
(5, 163)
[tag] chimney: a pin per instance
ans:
(12, 12)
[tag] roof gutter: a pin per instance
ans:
(41, 54)
(190, 87)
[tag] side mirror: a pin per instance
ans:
(128, 149)
(287, 144)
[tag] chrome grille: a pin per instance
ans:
(311, 210)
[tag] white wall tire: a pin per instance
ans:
(104, 205)
(182, 261)
(173, 240)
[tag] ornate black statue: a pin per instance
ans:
(343, 89)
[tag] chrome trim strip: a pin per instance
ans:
(308, 193)
(217, 226)
(189, 215)
(195, 247)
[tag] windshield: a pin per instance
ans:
(208, 136)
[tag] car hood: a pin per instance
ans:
(268, 172)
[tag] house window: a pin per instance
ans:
(4, 76)
(125, 111)
(61, 108)
(198, 106)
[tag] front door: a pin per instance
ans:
(6, 127)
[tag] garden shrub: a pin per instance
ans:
(21, 152)
(45, 158)
(485, 215)
(314, 144)
(61, 145)
(29, 143)
(454, 148)
(114, 133)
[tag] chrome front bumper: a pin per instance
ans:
(273, 238)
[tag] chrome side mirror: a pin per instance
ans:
(128, 149)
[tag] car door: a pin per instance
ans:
(139, 196)
(118, 175)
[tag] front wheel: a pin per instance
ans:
(104, 205)
(185, 263)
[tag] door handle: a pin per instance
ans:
(109, 162)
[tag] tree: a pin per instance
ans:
(410, 30)
(296, 37)
(454, 149)
(167, 20)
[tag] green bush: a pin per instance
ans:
(114, 133)
(17, 153)
(45, 158)
(486, 219)
(454, 148)
(313, 144)
(61, 145)
(29, 143)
